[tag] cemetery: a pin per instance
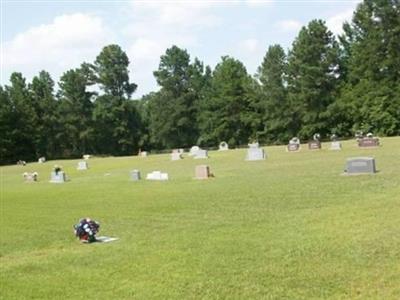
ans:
(253, 221)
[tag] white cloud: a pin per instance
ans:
(65, 43)
(250, 45)
(259, 2)
(155, 26)
(288, 25)
(335, 23)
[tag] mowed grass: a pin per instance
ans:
(289, 227)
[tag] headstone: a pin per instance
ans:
(223, 146)
(181, 150)
(294, 145)
(255, 154)
(358, 165)
(30, 177)
(135, 175)
(200, 154)
(194, 150)
(41, 160)
(143, 153)
(86, 156)
(202, 172)
(368, 142)
(336, 146)
(157, 175)
(58, 177)
(314, 145)
(176, 156)
(82, 165)
(21, 163)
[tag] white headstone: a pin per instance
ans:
(82, 165)
(58, 177)
(86, 156)
(201, 154)
(194, 150)
(143, 154)
(41, 160)
(157, 175)
(176, 156)
(30, 177)
(223, 146)
(135, 175)
(335, 146)
(255, 154)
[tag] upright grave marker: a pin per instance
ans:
(223, 146)
(176, 155)
(368, 141)
(294, 145)
(335, 144)
(315, 143)
(30, 177)
(200, 154)
(202, 172)
(82, 165)
(157, 175)
(135, 175)
(254, 152)
(58, 175)
(360, 165)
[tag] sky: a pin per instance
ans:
(58, 35)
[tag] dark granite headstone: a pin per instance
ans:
(357, 165)
(368, 142)
(314, 145)
(293, 147)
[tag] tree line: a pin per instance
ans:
(322, 84)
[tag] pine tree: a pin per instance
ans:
(313, 71)
(272, 103)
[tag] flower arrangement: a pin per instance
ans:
(86, 230)
(57, 169)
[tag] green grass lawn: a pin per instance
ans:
(289, 227)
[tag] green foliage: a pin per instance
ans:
(45, 106)
(272, 104)
(173, 110)
(371, 43)
(115, 116)
(23, 118)
(76, 110)
(111, 69)
(319, 86)
(226, 114)
(313, 64)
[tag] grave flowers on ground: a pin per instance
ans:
(86, 230)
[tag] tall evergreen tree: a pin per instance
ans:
(116, 118)
(76, 110)
(173, 109)
(42, 94)
(370, 100)
(7, 116)
(272, 103)
(226, 114)
(313, 71)
(23, 118)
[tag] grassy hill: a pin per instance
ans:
(289, 227)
